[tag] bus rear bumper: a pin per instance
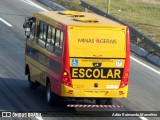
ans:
(94, 93)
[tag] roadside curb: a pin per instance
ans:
(139, 51)
(154, 59)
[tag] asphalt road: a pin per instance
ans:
(144, 92)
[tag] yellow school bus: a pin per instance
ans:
(77, 56)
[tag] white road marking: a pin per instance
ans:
(5, 22)
(143, 118)
(33, 4)
(152, 69)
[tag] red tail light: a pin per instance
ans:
(124, 81)
(125, 77)
(66, 79)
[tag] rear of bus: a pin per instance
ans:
(96, 62)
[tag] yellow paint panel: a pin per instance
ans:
(106, 42)
(94, 93)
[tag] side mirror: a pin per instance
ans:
(27, 31)
(27, 25)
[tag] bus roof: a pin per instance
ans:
(84, 19)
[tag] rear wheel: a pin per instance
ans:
(51, 97)
(32, 85)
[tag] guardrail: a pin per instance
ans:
(134, 32)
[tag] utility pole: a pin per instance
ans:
(108, 6)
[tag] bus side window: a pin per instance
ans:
(61, 40)
(42, 34)
(50, 37)
(32, 33)
(58, 43)
(49, 34)
(57, 38)
(53, 35)
(40, 30)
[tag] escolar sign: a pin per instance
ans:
(96, 73)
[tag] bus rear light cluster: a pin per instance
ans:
(66, 79)
(124, 80)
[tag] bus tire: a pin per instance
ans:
(32, 85)
(51, 97)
